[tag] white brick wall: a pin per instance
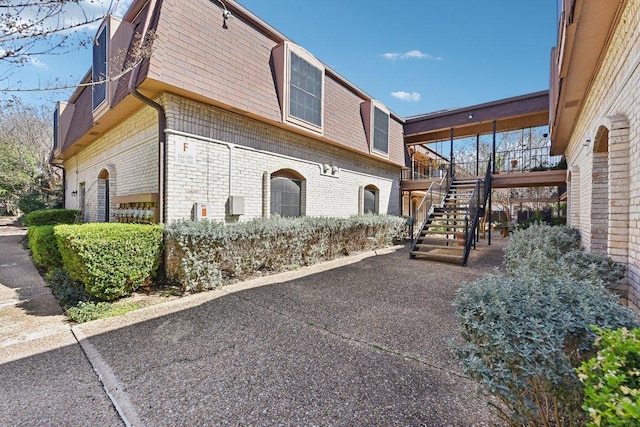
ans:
(233, 153)
(612, 102)
(129, 152)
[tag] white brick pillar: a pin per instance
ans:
(573, 199)
(619, 162)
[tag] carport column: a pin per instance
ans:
(619, 162)
(493, 170)
(451, 159)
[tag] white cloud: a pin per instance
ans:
(37, 63)
(406, 96)
(412, 54)
(64, 17)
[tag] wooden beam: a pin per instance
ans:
(529, 179)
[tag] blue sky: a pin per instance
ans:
(415, 56)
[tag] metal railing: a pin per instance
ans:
(475, 209)
(511, 161)
(423, 170)
(433, 197)
(526, 160)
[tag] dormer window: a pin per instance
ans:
(99, 70)
(56, 126)
(300, 79)
(376, 119)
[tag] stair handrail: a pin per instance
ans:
(477, 204)
(437, 187)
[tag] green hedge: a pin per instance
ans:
(44, 249)
(111, 260)
(204, 255)
(612, 379)
(50, 217)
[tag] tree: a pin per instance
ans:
(30, 28)
(27, 180)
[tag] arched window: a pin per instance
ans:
(287, 193)
(103, 196)
(371, 204)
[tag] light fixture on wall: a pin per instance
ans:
(587, 143)
(226, 14)
(470, 116)
(74, 193)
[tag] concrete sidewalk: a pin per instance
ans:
(357, 341)
(46, 378)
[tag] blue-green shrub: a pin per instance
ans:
(550, 241)
(111, 260)
(612, 379)
(203, 255)
(526, 330)
(44, 249)
(50, 217)
(545, 249)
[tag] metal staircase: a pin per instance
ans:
(450, 229)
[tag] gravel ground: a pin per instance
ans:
(362, 344)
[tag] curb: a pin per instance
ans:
(116, 390)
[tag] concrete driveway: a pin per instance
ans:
(357, 341)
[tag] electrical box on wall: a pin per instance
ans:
(236, 205)
(200, 211)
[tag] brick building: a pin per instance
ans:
(225, 119)
(594, 121)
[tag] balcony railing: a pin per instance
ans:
(424, 171)
(510, 161)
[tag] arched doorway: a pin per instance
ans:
(103, 196)
(600, 192)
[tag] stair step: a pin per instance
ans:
(439, 241)
(425, 247)
(450, 232)
(450, 258)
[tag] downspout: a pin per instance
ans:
(162, 120)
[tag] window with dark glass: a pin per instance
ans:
(305, 91)
(99, 70)
(55, 128)
(285, 196)
(380, 130)
(370, 196)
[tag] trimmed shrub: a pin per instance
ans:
(203, 255)
(50, 217)
(612, 379)
(44, 249)
(547, 250)
(527, 330)
(525, 334)
(111, 260)
(551, 241)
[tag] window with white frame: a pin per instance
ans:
(380, 130)
(305, 91)
(286, 193)
(370, 200)
(99, 69)
(376, 118)
(300, 77)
